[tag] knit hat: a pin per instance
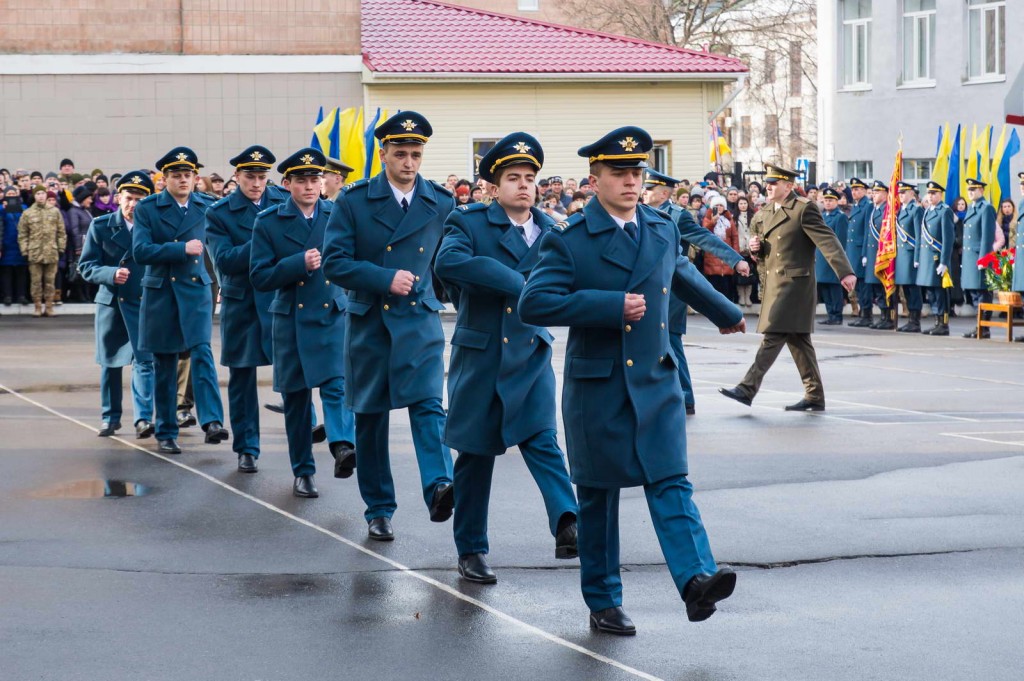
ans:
(66, 162)
(51, 195)
(52, 175)
(38, 188)
(81, 194)
(95, 172)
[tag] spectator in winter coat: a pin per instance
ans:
(13, 266)
(719, 220)
(41, 238)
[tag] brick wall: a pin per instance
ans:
(180, 27)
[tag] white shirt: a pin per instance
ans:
(531, 231)
(399, 194)
(622, 223)
(127, 223)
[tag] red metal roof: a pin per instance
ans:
(425, 36)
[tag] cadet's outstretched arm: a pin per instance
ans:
(458, 264)
(690, 285)
(90, 265)
(706, 240)
(339, 261)
(266, 271)
(548, 298)
(145, 252)
(228, 258)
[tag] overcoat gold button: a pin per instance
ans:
(504, 340)
(326, 305)
(386, 306)
(300, 306)
(193, 279)
(302, 283)
(629, 362)
(388, 249)
(173, 279)
(508, 310)
(413, 303)
(421, 249)
(664, 290)
(628, 328)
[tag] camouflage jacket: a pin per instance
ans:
(41, 235)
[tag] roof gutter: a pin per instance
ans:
(741, 85)
(370, 76)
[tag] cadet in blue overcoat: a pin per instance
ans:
(659, 195)
(380, 244)
(245, 329)
(107, 262)
(829, 288)
(176, 314)
(860, 215)
(935, 255)
(908, 236)
(979, 237)
(501, 388)
(606, 274)
(879, 199)
(309, 321)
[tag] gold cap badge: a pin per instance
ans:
(256, 155)
(307, 159)
(409, 124)
(629, 144)
(522, 147)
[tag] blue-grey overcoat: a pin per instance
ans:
(108, 247)
(177, 308)
(908, 240)
(622, 404)
(936, 245)
(308, 309)
(501, 387)
(860, 213)
(245, 324)
(394, 344)
(979, 235)
(839, 224)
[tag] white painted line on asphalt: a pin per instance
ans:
(990, 440)
(552, 638)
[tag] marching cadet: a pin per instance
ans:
(309, 320)
(380, 243)
(791, 227)
(606, 273)
(1017, 244)
(829, 288)
(979, 236)
(860, 214)
(335, 174)
(879, 198)
(245, 325)
(501, 388)
(107, 262)
(659, 195)
(908, 236)
(176, 313)
(935, 256)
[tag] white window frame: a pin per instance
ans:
(914, 163)
(528, 5)
(998, 7)
(661, 156)
(863, 170)
(861, 35)
(923, 23)
(473, 139)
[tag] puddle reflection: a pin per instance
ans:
(93, 489)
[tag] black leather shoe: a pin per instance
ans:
(862, 322)
(186, 419)
(473, 567)
(691, 410)
(247, 463)
(168, 447)
(276, 408)
(1019, 339)
(974, 333)
(736, 394)
(565, 540)
(143, 429)
(703, 591)
(884, 325)
(215, 433)
(443, 503)
(305, 487)
(379, 529)
(806, 405)
(344, 458)
(109, 428)
(319, 433)
(612, 621)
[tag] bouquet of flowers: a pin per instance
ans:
(998, 267)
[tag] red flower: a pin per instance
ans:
(988, 260)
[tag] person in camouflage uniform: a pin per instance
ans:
(41, 238)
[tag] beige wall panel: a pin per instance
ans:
(126, 121)
(563, 116)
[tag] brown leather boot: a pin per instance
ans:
(39, 310)
(49, 308)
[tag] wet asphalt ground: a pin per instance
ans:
(883, 539)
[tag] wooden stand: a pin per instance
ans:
(995, 308)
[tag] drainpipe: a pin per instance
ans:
(741, 85)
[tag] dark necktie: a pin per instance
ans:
(309, 221)
(184, 209)
(630, 228)
(521, 230)
(405, 204)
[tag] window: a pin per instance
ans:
(917, 170)
(528, 5)
(856, 42)
(918, 41)
(860, 169)
(771, 130)
(769, 68)
(986, 30)
(796, 69)
(745, 132)
(796, 117)
(481, 145)
(659, 156)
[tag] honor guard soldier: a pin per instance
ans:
(792, 227)
(860, 215)
(879, 200)
(380, 246)
(908, 236)
(979, 236)
(177, 308)
(335, 174)
(829, 288)
(309, 320)
(659, 195)
(935, 255)
(501, 388)
(245, 333)
(606, 273)
(108, 263)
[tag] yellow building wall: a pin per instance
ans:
(563, 116)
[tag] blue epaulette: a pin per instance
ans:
(355, 185)
(472, 207)
(269, 210)
(569, 222)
